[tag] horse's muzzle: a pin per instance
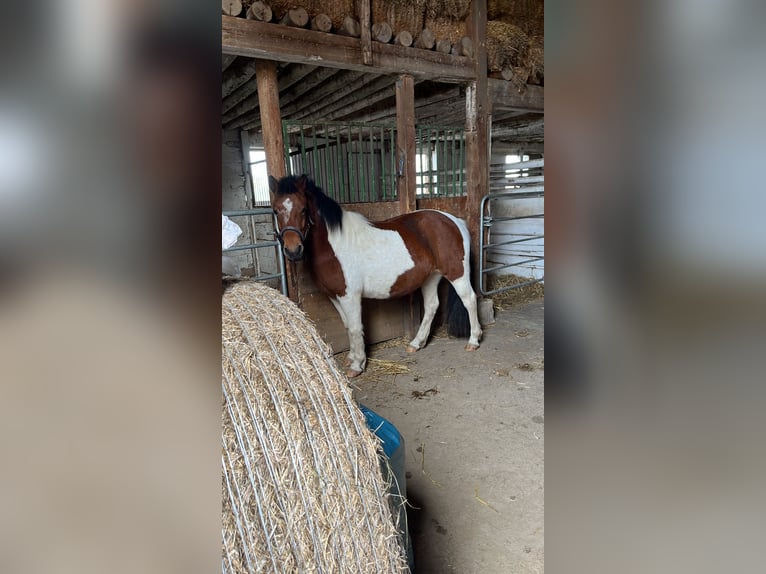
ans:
(294, 254)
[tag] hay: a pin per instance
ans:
(507, 299)
(446, 29)
(401, 15)
(536, 60)
(302, 484)
(529, 15)
(448, 9)
(507, 46)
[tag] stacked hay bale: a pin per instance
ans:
(508, 51)
(529, 15)
(401, 15)
(302, 485)
(515, 39)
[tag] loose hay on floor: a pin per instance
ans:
(302, 486)
(517, 296)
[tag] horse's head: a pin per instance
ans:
(291, 205)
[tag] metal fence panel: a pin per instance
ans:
(356, 162)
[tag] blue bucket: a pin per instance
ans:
(393, 468)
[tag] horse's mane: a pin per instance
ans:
(328, 208)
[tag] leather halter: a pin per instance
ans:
(301, 233)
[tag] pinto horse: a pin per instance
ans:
(351, 258)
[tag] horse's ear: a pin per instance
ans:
(302, 181)
(273, 184)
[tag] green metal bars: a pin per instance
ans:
(440, 161)
(356, 162)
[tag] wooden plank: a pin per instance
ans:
(269, 41)
(364, 19)
(375, 211)
(454, 205)
(477, 131)
(405, 181)
(506, 97)
(531, 130)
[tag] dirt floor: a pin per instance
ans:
(474, 430)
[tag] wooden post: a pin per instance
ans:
(273, 144)
(405, 142)
(364, 20)
(405, 180)
(477, 137)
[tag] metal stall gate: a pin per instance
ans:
(512, 236)
(356, 162)
(265, 256)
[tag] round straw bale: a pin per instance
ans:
(507, 45)
(449, 9)
(337, 10)
(444, 29)
(401, 15)
(302, 484)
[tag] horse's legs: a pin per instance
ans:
(464, 290)
(430, 305)
(351, 314)
(342, 314)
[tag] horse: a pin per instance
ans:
(351, 258)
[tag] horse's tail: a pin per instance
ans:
(458, 323)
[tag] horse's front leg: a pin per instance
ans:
(350, 309)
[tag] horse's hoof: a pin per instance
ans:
(351, 373)
(411, 349)
(471, 347)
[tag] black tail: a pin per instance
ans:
(458, 323)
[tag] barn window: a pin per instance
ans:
(259, 177)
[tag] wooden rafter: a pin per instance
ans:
(287, 44)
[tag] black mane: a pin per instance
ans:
(328, 208)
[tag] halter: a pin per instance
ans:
(301, 233)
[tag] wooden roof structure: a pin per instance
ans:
(323, 77)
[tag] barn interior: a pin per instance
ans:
(393, 106)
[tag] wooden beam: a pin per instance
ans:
(477, 130)
(226, 61)
(377, 91)
(532, 130)
(405, 142)
(316, 77)
(506, 97)
(293, 75)
(363, 10)
(268, 95)
(236, 75)
(269, 41)
(294, 100)
(405, 165)
(239, 95)
(337, 97)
